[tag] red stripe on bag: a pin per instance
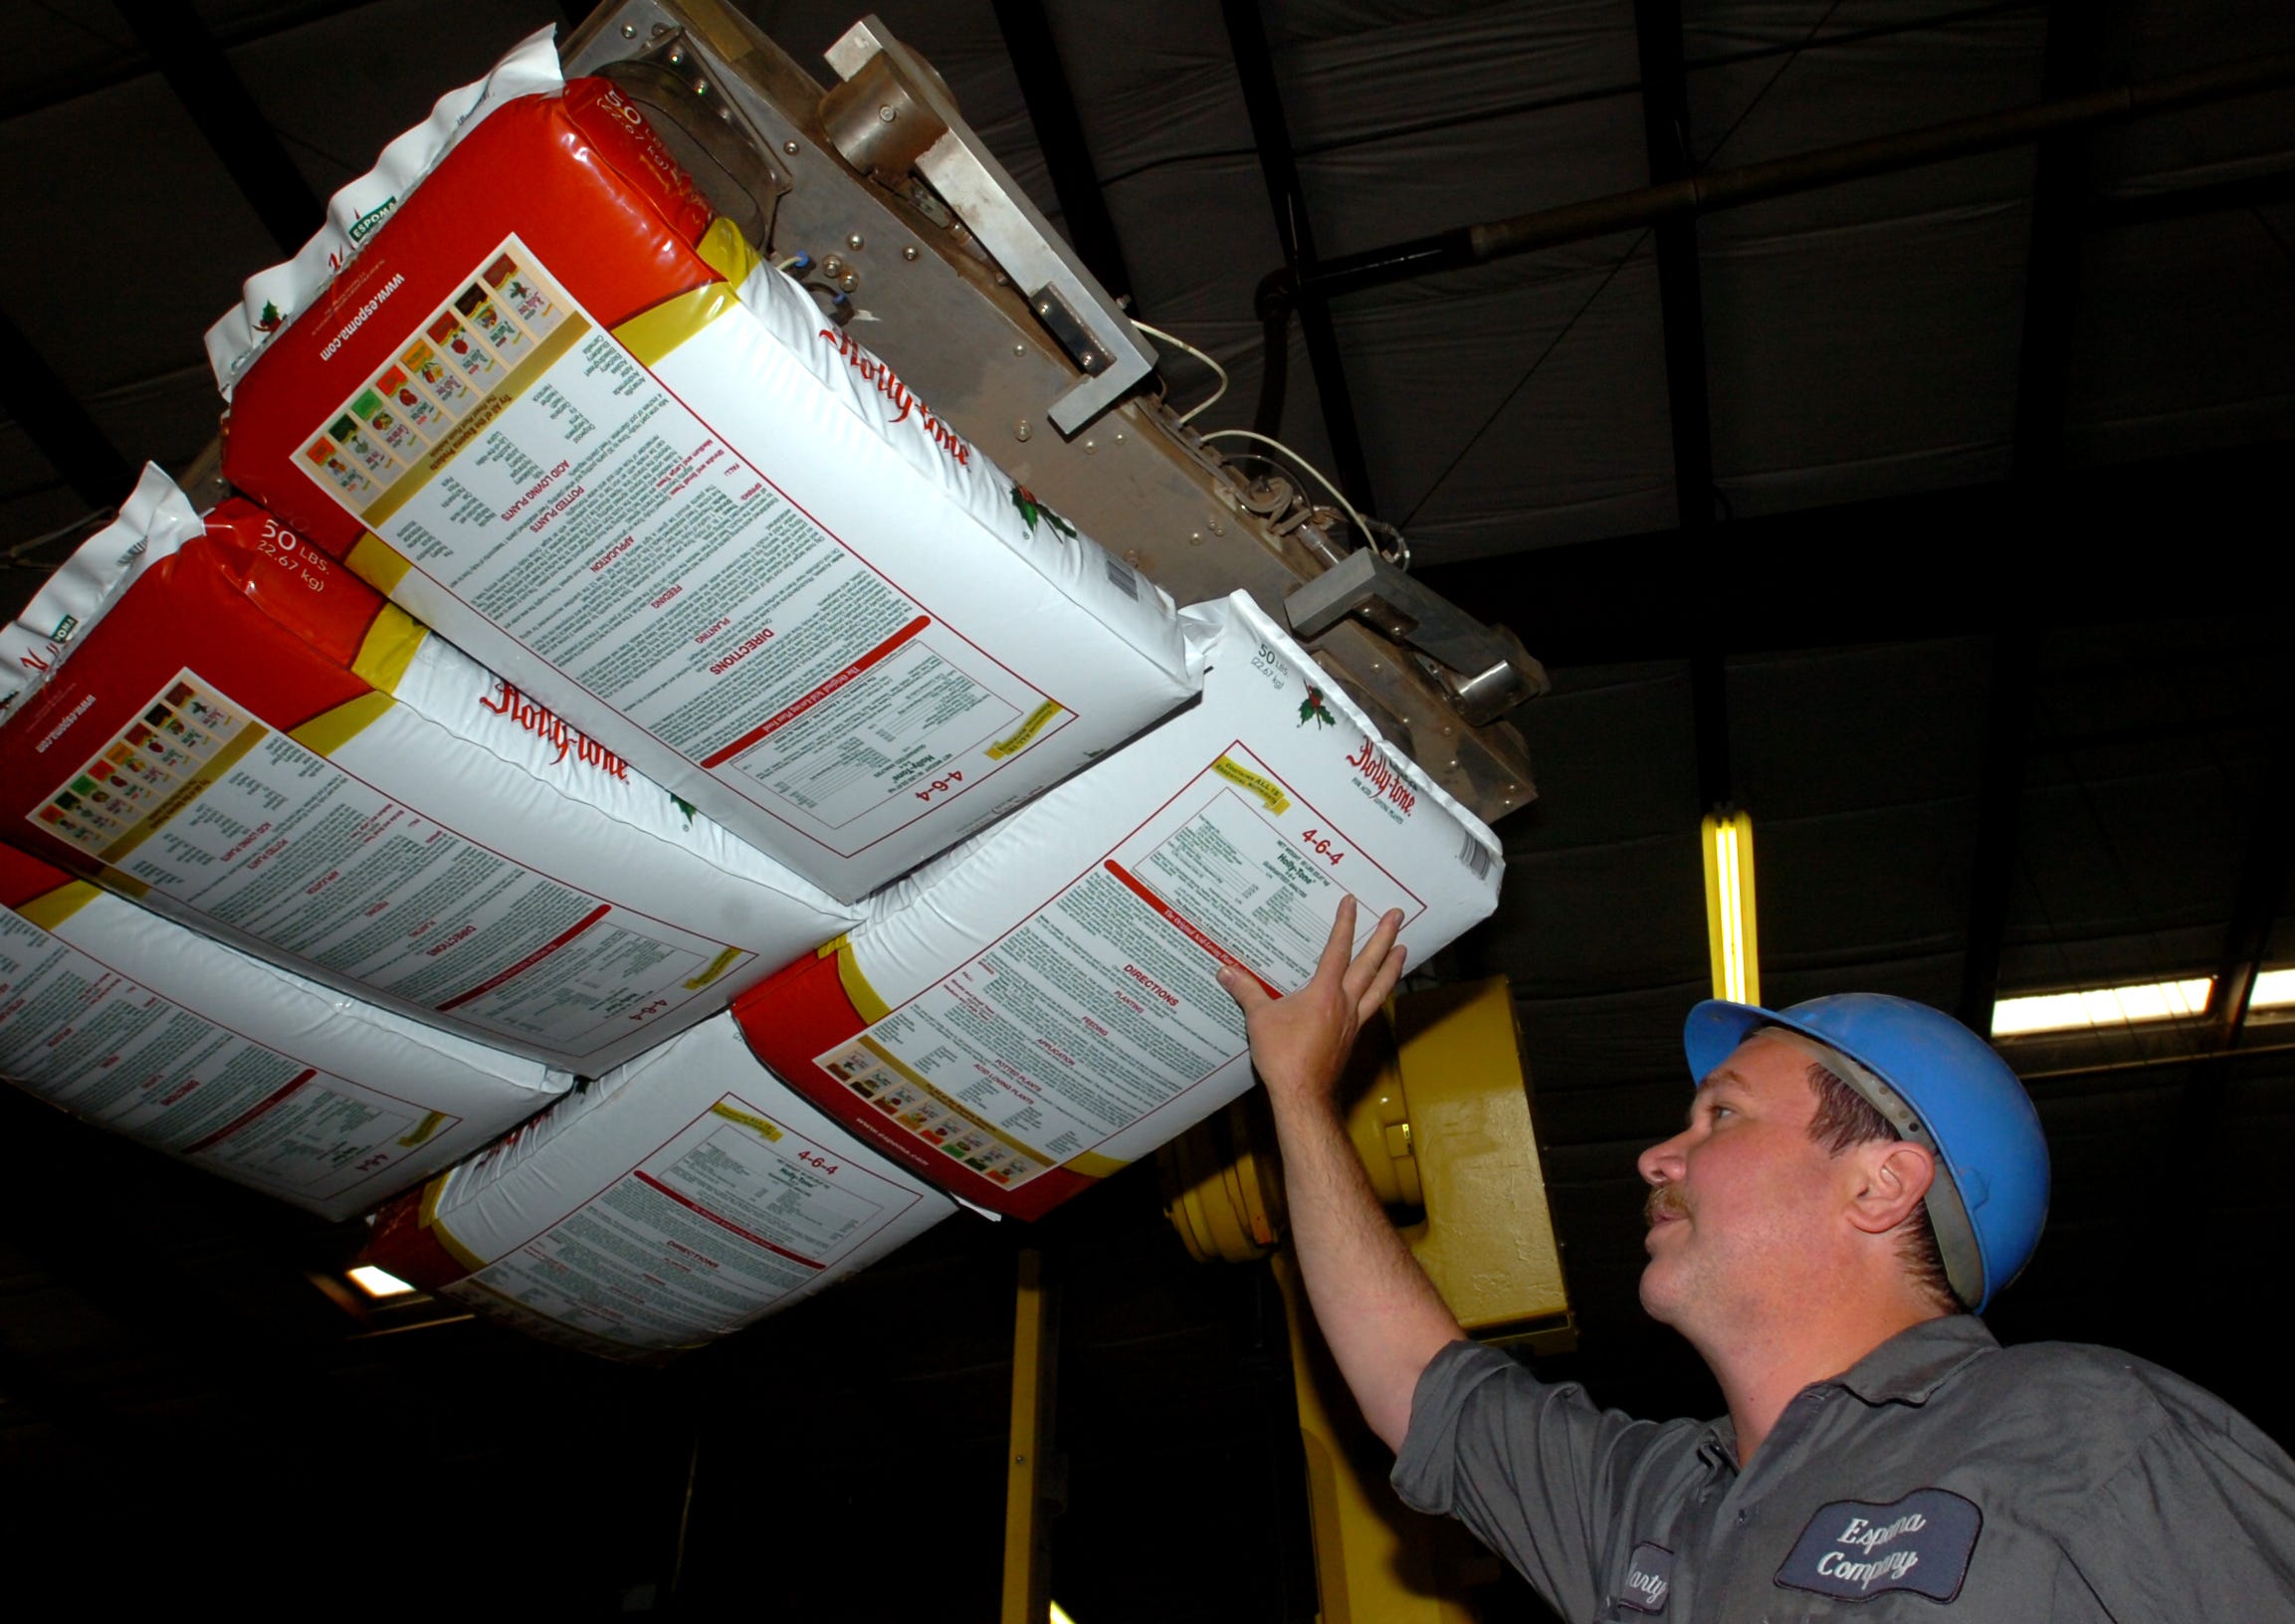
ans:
(246, 1116)
(530, 961)
(790, 713)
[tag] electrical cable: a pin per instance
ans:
(1177, 342)
(1552, 345)
(1769, 84)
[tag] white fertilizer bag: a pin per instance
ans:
(144, 1028)
(709, 530)
(215, 719)
(676, 1199)
(1039, 1007)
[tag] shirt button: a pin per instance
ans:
(1741, 1520)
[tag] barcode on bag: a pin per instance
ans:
(1476, 856)
(1123, 580)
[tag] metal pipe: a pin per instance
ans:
(1785, 177)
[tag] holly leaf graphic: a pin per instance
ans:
(1031, 509)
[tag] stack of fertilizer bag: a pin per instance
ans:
(243, 736)
(241, 743)
(1015, 1020)
(711, 560)
(155, 1032)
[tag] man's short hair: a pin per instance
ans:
(1845, 1117)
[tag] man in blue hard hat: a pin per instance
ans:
(1859, 1176)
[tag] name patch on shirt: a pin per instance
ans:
(1648, 1579)
(1855, 1548)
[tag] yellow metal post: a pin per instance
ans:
(1487, 1239)
(1439, 1116)
(1027, 1532)
(1376, 1561)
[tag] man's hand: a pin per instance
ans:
(1300, 1044)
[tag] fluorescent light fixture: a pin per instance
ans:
(375, 1283)
(1060, 1614)
(2273, 989)
(2105, 1006)
(1731, 938)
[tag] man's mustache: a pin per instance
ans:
(1664, 1202)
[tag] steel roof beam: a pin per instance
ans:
(1665, 128)
(2036, 452)
(2052, 257)
(1681, 305)
(1059, 128)
(54, 90)
(211, 91)
(56, 424)
(1277, 166)
(2000, 818)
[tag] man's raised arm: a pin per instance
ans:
(1376, 1307)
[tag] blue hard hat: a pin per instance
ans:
(1942, 1085)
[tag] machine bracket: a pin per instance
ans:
(892, 114)
(1484, 670)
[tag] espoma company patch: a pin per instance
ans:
(1855, 1548)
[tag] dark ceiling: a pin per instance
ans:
(1970, 605)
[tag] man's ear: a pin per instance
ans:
(1893, 1179)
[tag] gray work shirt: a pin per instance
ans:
(1942, 1479)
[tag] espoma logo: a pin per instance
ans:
(365, 225)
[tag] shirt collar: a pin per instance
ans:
(1910, 1366)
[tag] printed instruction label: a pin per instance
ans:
(521, 458)
(92, 1041)
(1102, 1005)
(732, 1213)
(211, 809)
